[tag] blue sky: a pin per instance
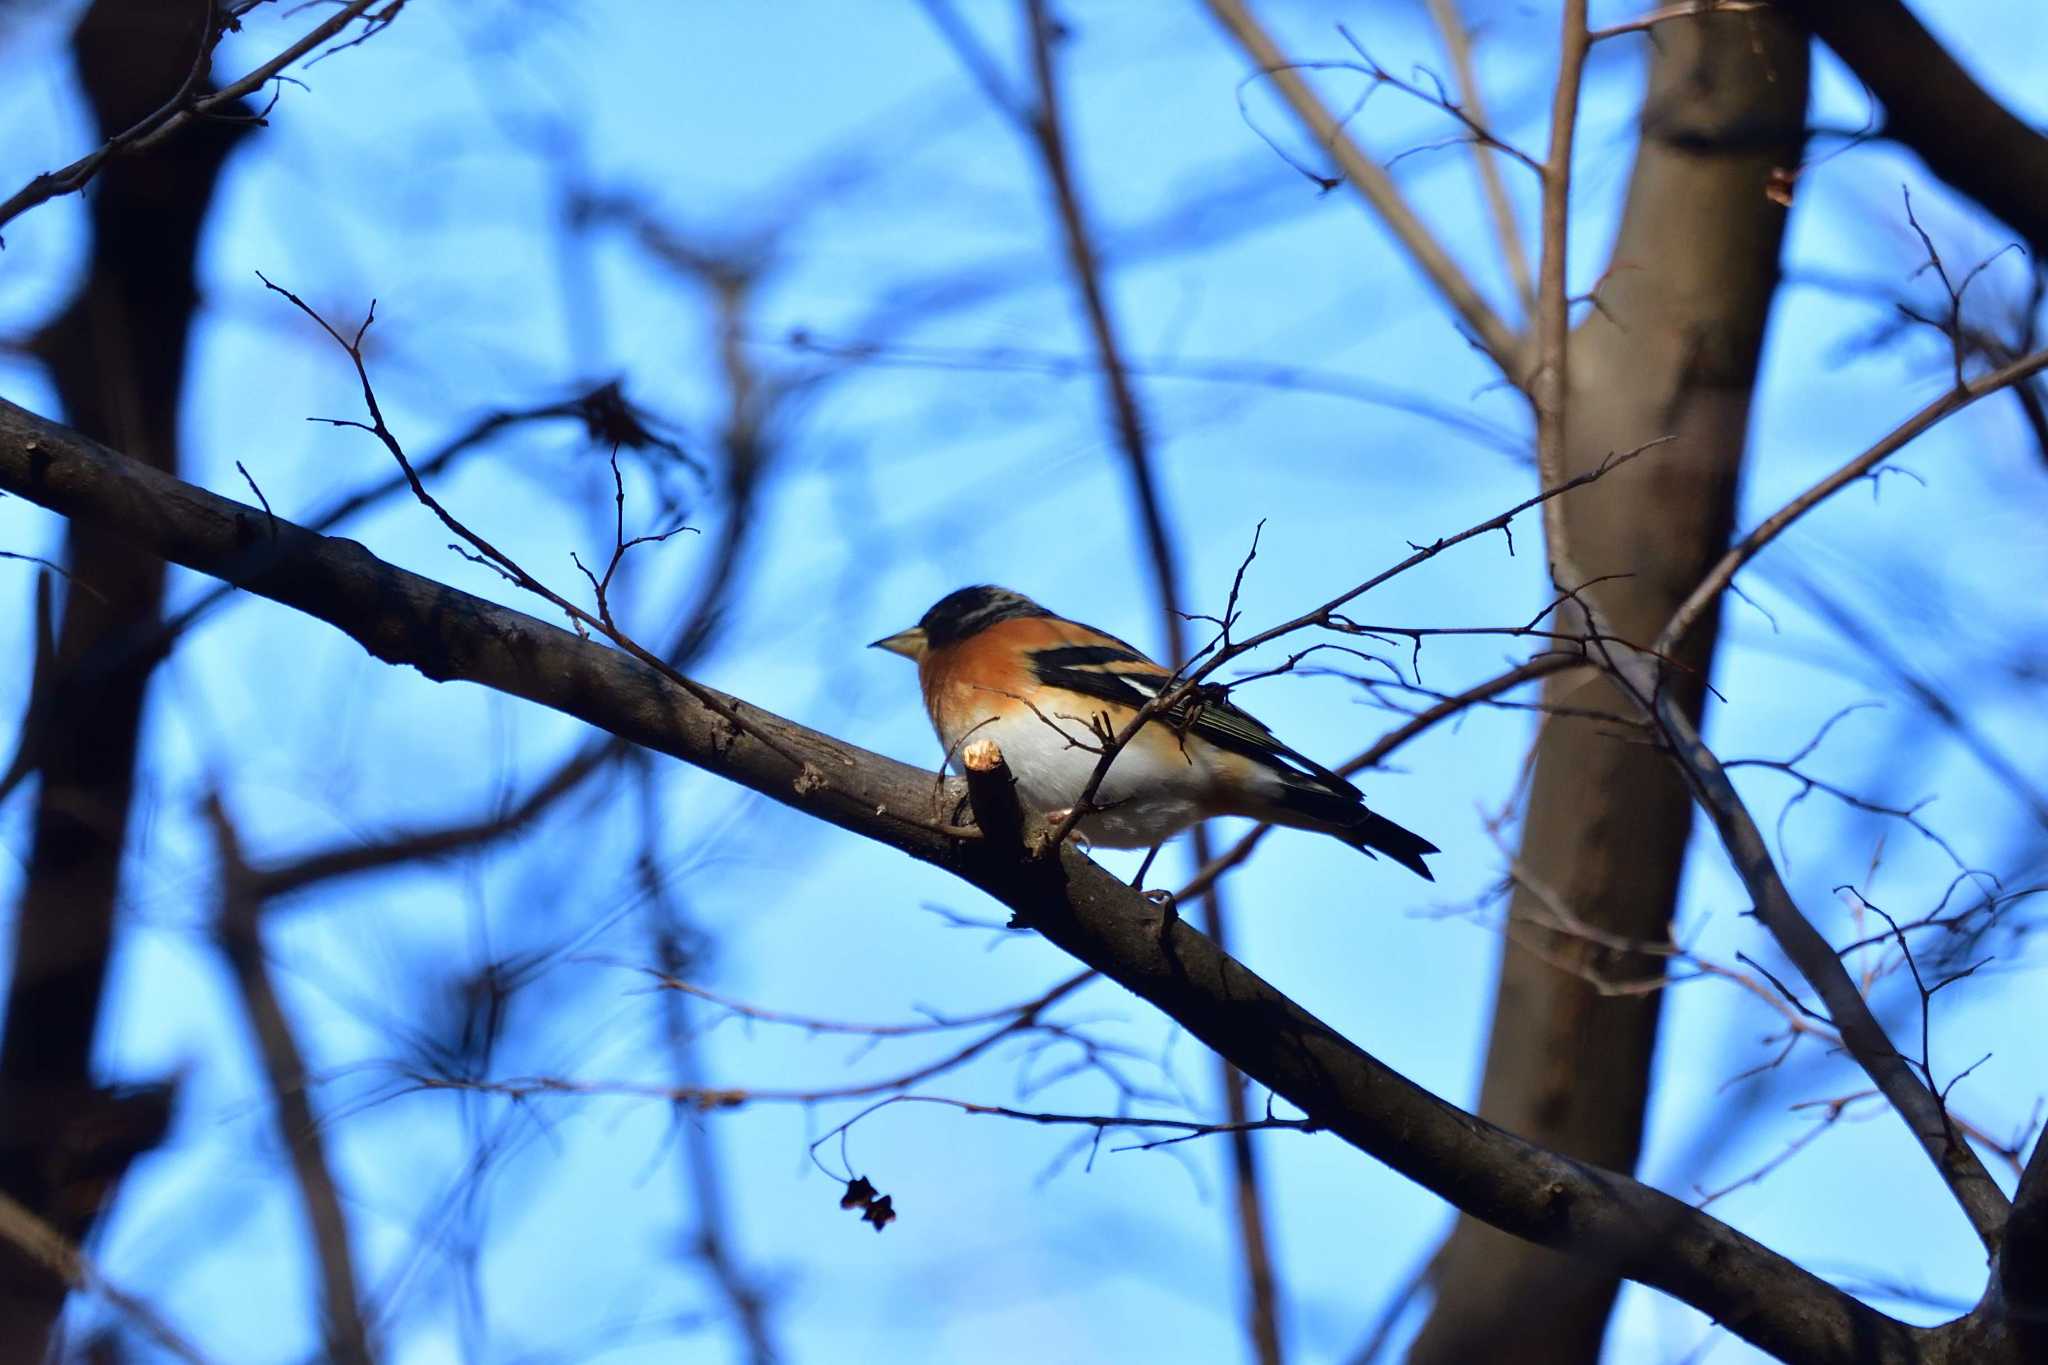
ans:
(843, 148)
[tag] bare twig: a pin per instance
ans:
(1723, 573)
(238, 932)
(1664, 14)
(1376, 187)
(604, 411)
(483, 552)
(1284, 377)
(1324, 616)
(1102, 1122)
(1476, 131)
(1829, 1113)
(51, 1249)
(932, 1023)
(1541, 666)
(187, 106)
(1506, 231)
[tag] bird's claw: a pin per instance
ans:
(1053, 820)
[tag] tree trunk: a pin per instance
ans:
(117, 357)
(1671, 351)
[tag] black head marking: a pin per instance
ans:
(958, 615)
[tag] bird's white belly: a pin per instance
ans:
(1145, 798)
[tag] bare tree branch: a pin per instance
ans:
(1549, 381)
(1864, 1037)
(1936, 108)
(239, 934)
(1542, 666)
(189, 104)
(402, 618)
(21, 1228)
(1376, 187)
(1506, 231)
(1771, 527)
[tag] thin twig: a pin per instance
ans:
(57, 1254)
(932, 1023)
(185, 107)
(1722, 575)
(1664, 14)
(1290, 378)
(483, 552)
(1376, 187)
(1506, 231)
(1324, 616)
(238, 933)
(1542, 666)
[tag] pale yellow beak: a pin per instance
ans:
(909, 643)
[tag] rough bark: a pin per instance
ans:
(117, 356)
(1670, 351)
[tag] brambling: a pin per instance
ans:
(994, 664)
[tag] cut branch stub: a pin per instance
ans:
(992, 792)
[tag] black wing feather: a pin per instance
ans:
(1114, 672)
(1091, 671)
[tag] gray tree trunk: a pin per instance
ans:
(1672, 350)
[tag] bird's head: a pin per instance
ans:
(958, 615)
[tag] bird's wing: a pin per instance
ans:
(1111, 671)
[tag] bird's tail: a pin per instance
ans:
(1347, 818)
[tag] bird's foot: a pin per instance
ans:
(1169, 911)
(1053, 820)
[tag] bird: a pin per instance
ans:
(993, 664)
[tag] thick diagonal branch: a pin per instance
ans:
(449, 635)
(1935, 107)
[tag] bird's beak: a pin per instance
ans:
(909, 643)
